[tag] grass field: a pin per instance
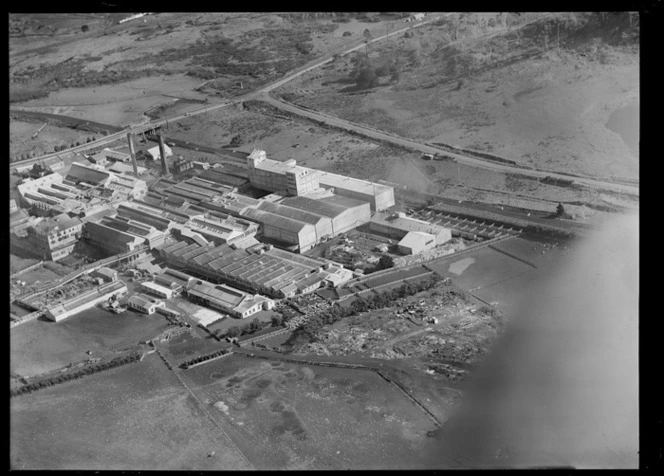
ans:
(21, 142)
(39, 346)
(136, 417)
(288, 416)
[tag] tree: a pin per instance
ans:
(385, 262)
(276, 321)
(560, 210)
(236, 140)
(366, 77)
(85, 28)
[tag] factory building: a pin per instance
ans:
(173, 280)
(282, 230)
(379, 196)
(157, 290)
(267, 270)
(145, 304)
(222, 230)
(107, 274)
(129, 186)
(110, 239)
(222, 178)
(416, 242)
(181, 165)
(147, 215)
(107, 155)
(122, 168)
(154, 153)
(29, 185)
(285, 178)
(84, 173)
(85, 301)
(345, 213)
(54, 238)
(399, 225)
(321, 223)
(231, 204)
(227, 299)
(151, 236)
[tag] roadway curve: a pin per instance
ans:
(424, 148)
(207, 108)
(262, 94)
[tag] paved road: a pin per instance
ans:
(212, 107)
(262, 94)
(428, 149)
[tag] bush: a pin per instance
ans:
(346, 33)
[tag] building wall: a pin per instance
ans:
(351, 218)
(305, 238)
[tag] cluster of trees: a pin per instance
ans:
(203, 358)
(84, 372)
(385, 262)
(253, 326)
(362, 304)
(23, 95)
(365, 74)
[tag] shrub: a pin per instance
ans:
(346, 33)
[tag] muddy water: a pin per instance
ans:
(625, 121)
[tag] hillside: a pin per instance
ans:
(536, 88)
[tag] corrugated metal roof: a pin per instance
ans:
(328, 209)
(275, 221)
(223, 178)
(290, 212)
(79, 173)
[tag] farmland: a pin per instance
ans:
(40, 345)
(115, 421)
(287, 416)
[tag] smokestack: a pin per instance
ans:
(132, 152)
(162, 153)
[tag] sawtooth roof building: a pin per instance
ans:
(227, 299)
(399, 225)
(267, 270)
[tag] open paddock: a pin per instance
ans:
(41, 346)
(135, 417)
(291, 416)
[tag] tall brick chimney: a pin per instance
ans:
(132, 152)
(162, 153)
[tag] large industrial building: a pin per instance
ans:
(381, 197)
(52, 238)
(344, 213)
(227, 299)
(284, 231)
(266, 270)
(285, 178)
(86, 300)
(398, 225)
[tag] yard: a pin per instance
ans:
(290, 416)
(40, 345)
(136, 417)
